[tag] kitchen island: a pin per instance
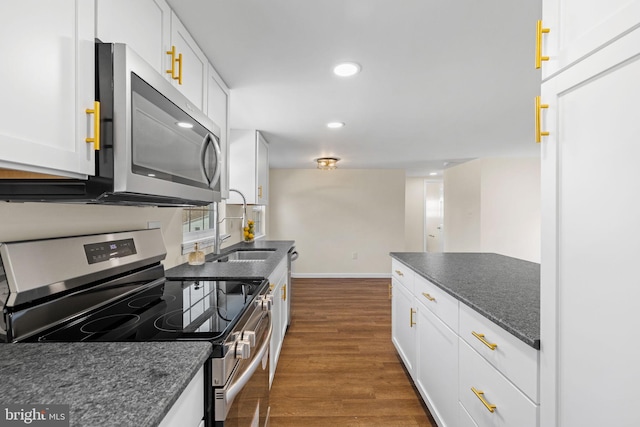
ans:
(104, 384)
(503, 289)
(467, 328)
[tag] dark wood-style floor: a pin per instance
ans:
(338, 366)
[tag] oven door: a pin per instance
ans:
(244, 400)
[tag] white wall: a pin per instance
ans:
(333, 215)
(24, 221)
(493, 205)
(462, 207)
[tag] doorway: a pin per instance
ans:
(434, 215)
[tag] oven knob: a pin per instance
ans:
(266, 302)
(243, 349)
(249, 336)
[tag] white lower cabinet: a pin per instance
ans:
(437, 367)
(489, 398)
(279, 315)
(403, 331)
(188, 411)
(464, 419)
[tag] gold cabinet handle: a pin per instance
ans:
(260, 191)
(429, 297)
(390, 291)
(539, 32)
(539, 106)
(411, 313)
(172, 71)
(271, 286)
(284, 292)
(179, 61)
(492, 346)
(96, 125)
(399, 273)
(480, 395)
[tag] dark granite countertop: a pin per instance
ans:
(105, 384)
(233, 270)
(505, 290)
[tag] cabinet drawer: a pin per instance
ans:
(464, 418)
(402, 274)
(516, 360)
(512, 407)
(438, 301)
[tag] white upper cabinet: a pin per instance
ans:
(577, 29)
(144, 25)
(248, 167)
(190, 65)
(218, 111)
(47, 86)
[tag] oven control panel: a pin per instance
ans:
(104, 251)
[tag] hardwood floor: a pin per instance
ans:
(338, 365)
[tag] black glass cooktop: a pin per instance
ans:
(171, 310)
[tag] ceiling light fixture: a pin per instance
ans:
(185, 125)
(327, 163)
(346, 69)
(433, 173)
(335, 125)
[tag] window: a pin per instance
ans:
(198, 226)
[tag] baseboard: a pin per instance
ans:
(341, 275)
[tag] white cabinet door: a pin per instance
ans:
(262, 168)
(591, 238)
(437, 366)
(403, 325)
(578, 28)
(47, 84)
(217, 110)
(248, 166)
(194, 64)
(144, 25)
(277, 282)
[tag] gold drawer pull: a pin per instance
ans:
(492, 346)
(429, 297)
(539, 57)
(411, 313)
(480, 395)
(284, 292)
(539, 106)
(390, 291)
(399, 273)
(272, 286)
(96, 125)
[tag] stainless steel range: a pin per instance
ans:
(111, 287)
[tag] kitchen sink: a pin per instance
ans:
(249, 255)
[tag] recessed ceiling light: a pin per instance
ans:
(433, 173)
(335, 125)
(185, 125)
(346, 69)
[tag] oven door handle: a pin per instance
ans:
(227, 395)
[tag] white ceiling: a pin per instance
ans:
(441, 80)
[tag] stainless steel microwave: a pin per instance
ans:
(157, 148)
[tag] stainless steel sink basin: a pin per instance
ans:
(250, 255)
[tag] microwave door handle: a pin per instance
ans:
(216, 175)
(209, 139)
